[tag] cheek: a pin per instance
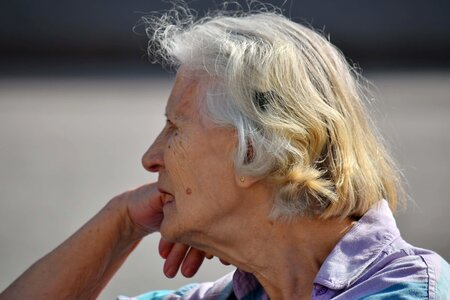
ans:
(193, 170)
(200, 168)
(178, 164)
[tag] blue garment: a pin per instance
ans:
(370, 262)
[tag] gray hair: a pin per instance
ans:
(294, 102)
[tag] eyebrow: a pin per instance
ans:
(175, 117)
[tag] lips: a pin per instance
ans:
(166, 196)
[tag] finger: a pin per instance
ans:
(224, 262)
(164, 248)
(174, 259)
(192, 262)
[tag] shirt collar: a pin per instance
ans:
(359, 247)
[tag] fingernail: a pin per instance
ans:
(164, 254)
(170, 272)
(188, 272)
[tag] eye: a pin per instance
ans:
(170, 126)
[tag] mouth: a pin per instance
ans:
(166, 196)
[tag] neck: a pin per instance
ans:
(288, 270)
(285, 256)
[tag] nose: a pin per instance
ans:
(152, 160)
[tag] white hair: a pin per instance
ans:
(294, 102)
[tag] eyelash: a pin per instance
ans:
(170, 125)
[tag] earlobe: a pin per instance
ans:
(245, 181)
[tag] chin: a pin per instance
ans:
(171, 231)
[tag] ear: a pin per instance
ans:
(245, 181)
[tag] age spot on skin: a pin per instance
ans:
(188, 191)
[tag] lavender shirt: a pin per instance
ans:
(371, 261)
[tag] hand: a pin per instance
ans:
(144, 208)
(176, 255)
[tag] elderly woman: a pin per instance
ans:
(267, 161)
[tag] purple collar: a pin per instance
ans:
(359, 248)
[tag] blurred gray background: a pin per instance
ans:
(80, 103)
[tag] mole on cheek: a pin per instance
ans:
(188, 191)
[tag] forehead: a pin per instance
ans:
(187, 93)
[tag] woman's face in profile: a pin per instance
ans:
(194, 160)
